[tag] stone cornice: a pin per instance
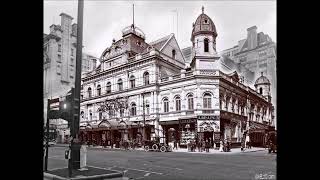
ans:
(129, 65)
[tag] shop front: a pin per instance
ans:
(187, 131)
(208, 129)
(261, 134)
(232, 127)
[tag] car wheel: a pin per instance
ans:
(146, 148)
(163, 149)
(155, 147)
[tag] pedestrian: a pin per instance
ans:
(242, 146)
(221, 146)
(175, 145)
(207, 145)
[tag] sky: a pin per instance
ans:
(104, 20)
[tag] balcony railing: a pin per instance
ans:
(189, 112)
(208, 111)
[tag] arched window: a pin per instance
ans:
(120, 85)
(132, 81)
(89, 92)
(206, 45)
(165, 105)
(99, 90)
(108, 87)
(173, 54)
(146, 78)
(178, 103)
(260, 90)
(190, 101)
(207, 101)
(133, 109)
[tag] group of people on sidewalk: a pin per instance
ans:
(205, 145)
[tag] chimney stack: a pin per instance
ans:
(65, 21)
(252, 37)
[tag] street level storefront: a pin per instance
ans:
(112, 132)
(192, 129)
(233, 127)
(260, 134)
(209, 129)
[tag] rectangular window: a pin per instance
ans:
(121, 112)
(71, 62)
(59, 57)
(58, 69)
(72, 51)
(59, 47)
(147, 109)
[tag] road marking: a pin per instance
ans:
(166, 167)
(55, 156)
(147, 174)
(57, 168)
(141, 170)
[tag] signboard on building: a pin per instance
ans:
(187, 121)
(212, 117)
(54, 104)
(216, 136)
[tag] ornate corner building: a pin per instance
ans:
(149, 85)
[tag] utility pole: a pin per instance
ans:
(75, 110)
(47, 138)
(144, 119)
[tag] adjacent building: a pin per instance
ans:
(258, 54)
(59, 52)
(147, 90)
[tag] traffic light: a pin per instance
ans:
(66, 107)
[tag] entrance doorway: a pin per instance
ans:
(208, 135)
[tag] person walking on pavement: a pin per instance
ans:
(175, 145)
(207, 145)
(221, 146)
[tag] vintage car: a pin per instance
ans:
(156, 146)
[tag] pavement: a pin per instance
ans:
(183, 150)
(177, 165)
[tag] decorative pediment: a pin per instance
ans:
(234, 76)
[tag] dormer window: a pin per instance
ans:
(173, 54)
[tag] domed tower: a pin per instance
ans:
(203, 37)
(262, 86)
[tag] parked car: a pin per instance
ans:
(51, 142)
